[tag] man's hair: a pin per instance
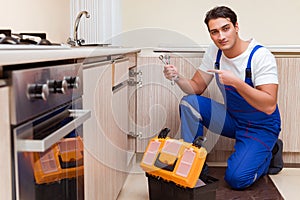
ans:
(220, 12)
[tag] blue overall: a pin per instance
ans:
(255, 132)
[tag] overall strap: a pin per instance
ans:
(248, 69)
(217, 63)
(248, 78)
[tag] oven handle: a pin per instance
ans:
(30, 145)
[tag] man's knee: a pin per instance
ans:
(239, 180)
(190, 104)
(191, 99)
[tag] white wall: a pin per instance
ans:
(161, 22)
(104, 20)
(271, 22)
(50, 16)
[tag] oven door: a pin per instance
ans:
(48, 156)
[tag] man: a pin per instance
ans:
(246, 74)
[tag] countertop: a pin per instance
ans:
(277, 50)
(202, 48)
(20, 56)
(12, 57)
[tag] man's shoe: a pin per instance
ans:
(276, 163)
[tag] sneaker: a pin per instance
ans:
(276, 163)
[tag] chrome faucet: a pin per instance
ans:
(76, 41)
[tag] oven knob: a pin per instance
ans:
(37, 91)
(72, 82)
(57, 86)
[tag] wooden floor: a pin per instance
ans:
(284, 185)
(262, 189)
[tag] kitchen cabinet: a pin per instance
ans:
(289, 105)
(5, 146)
(158, 101)
(157, 104)
(123, 101)
(108, 149)
(108, 157)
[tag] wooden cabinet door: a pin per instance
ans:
(96, 172)
(158, 102)
(120, 105)
(5, 146)
(289, 102)
(106, 164)
(157, 99)
(120, 98)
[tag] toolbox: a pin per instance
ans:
(162, 189)
(174, 160)
(173, 168)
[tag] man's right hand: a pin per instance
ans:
(171, 72)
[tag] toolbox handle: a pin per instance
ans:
(199, 141)
(163, 133)
(164, 166)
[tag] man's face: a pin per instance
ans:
(223, 33)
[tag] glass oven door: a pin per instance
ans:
(48, 156)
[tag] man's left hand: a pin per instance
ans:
(226, 77)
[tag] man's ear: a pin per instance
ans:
(237, 28)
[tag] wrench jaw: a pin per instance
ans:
(167, 59)
(162, 59)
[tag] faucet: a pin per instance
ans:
(76, 41)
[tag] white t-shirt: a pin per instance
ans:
(263, 64)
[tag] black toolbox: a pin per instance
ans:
(161, 189)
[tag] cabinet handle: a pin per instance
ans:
(119, 86)
(96, 64)
(119, 59)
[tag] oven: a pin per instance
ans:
(47, 134)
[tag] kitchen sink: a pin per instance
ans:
(97, 45)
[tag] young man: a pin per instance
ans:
(246, 74)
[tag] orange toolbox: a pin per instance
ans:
(63, 160)
(174, 160)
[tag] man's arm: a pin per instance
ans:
(263, 97)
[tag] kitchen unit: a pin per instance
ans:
(168, 97)
(130, 101)
(109, 146)
(13, 61)
(161, 109)
(5, 146)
